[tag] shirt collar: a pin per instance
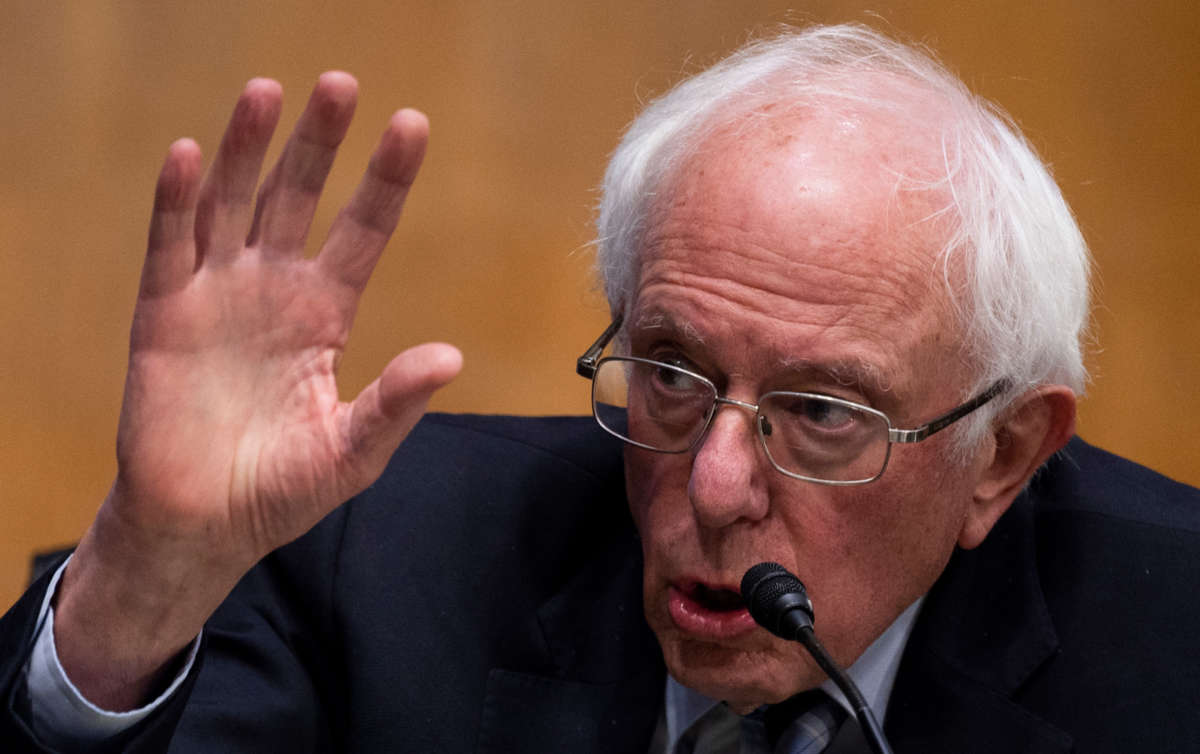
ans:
(874, 672)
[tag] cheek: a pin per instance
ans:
(656, 487)
(925, 511)
(654, 493)
(867, 554)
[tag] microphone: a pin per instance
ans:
(778, 602)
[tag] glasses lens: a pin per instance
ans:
(651, 404)
(823, 438)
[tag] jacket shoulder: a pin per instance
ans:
(573, 440)
(1118, 548)
(1085, 479)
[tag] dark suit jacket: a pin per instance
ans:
(485, 596)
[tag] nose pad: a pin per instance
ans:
(764, 425)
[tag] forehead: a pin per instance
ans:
(813, 235)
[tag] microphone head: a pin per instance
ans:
(777, 600)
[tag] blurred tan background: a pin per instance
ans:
(526, 99)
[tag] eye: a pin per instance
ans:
(672, 370)
(828, 414)
(669, 376)
(819, 413)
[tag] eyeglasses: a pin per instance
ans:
(818, 438)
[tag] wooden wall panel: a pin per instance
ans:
(526, 99)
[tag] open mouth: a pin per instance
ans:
(707, 612)
(716, 600)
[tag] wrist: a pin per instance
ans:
(128, 606)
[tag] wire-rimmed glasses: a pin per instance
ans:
(818, 438)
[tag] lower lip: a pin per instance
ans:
(693, 618)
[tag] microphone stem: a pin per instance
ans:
(866, 718)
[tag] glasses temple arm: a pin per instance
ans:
(945, 420)
(585, 365)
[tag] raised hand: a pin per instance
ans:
(232, 439)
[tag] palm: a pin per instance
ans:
(231, 427)
(241, 368)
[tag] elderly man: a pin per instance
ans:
(848, 303)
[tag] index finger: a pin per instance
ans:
(363, 227)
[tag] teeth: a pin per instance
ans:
(720, 600)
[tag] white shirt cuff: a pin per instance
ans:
(61, 715)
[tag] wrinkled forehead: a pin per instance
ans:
(823, 226)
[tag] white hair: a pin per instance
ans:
(1014, 262)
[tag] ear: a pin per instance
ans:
(1032, 429)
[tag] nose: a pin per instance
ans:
(728, 483)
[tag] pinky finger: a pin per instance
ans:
(171, 246)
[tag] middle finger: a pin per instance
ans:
(288, 197)
(223, 210)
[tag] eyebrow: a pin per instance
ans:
(843, 372)
(849, 372)
(660, 321)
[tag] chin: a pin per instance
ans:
(745, 677)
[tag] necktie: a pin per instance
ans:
(803, 724)
(717, 731)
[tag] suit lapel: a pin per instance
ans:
(983, 632)
(606, 688)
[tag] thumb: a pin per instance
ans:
(386, 410)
